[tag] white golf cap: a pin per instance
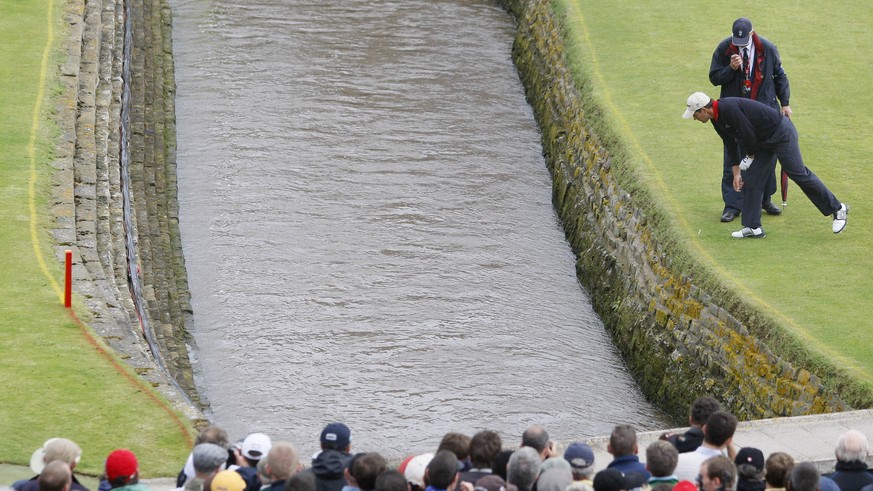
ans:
(695, 102)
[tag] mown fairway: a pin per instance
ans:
(56, 381)
(644, 59)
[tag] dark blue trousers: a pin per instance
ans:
(733, 201)
(783, 145)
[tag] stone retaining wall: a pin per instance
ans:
(677, 340)
(89, 193)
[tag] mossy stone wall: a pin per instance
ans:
(676, 339)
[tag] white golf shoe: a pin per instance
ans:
(841, 217)
(749, 233)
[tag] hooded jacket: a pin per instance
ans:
(328, 467)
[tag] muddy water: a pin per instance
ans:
(368, 229)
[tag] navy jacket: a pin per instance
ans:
(743, 124)
(769, 84)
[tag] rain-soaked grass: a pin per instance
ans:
(55, 380)
(643, 59)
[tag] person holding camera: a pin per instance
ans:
(748, 65)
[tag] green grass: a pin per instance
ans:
(643, 59)
(56, 382)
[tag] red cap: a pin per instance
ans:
(121, 464)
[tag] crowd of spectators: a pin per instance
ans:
(703, 458)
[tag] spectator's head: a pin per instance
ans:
(702, 409)
(282, 461)
(122, 468)
(717, 473)
(457, 443)
(750, 464)
(255, 447)
(803, 477)
(622, 441)
(615, 480)
(367, 468)
(719, 429)
(661, 458)
(492, 482)
(537, 438)
(524, 467)
(484, 447)
(55, 476)
(851, 446)
(208, 458)
(302, 481)
(581, 459)
(413, 470)
(501, 464)
(55, 449)
(555, 478)
(336, 436)
(213, 434)
(555, 463)
(777, 467)
(442, 470)
(226, 481)
(391, 481)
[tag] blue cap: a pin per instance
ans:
(337, 435)
(741, 31)
(579, 455)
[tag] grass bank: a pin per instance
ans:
(58, 378)
(641, 61)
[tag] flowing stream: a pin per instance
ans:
(368, 229)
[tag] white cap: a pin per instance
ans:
(696, 101)
(256, 446)
(414, 471)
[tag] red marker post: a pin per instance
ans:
(68, 286)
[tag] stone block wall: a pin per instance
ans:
(677, 340)
(92, 179)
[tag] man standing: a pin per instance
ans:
(747, 65)
(624, 449)
(851, 472)
(700, 410)
(753, 134)
(718, 435)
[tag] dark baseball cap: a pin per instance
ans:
(615, 480)
(337, 434)
(742, 31)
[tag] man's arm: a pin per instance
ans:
(722, 69)
(780, 82)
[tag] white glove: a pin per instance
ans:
(746, 162)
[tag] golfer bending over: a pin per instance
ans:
(761, 134)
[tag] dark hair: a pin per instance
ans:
(500, 463)
(391, 480)
(777, 467)
(803, 477)
(442, 469)
(457, 443)
(720, 427)
(622, 440)
(535, 437)
(722, 468)
(302, 481)
(367, 468)
(703, 407)
(484, 447)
